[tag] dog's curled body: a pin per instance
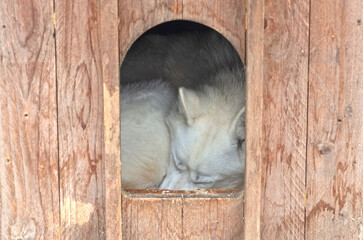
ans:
(145, 139)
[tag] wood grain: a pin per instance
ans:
(183, 215)
(29, 202)
(213, 218)
(335, 145)
(111, 114)
(254, 121)
(285, 63)
(84, 51)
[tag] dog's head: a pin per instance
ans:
(207, 142)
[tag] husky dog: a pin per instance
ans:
(145, 139)
(207, 121)
(207, 135)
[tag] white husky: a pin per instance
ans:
(207, 136)
(145, 139)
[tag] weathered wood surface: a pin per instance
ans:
(111, 114)
(285, 63)
(335, 145)
(29, 202)
(254, 121)
(190, 215)
(86, 48)
(227, 17)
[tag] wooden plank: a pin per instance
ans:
(152, 218)
(111, 113)
(226, 17)
(29, 202)
(136, 17)
(85, 58)
(254, 131)
(215, 214)
(335, 144)
(286, 44)
(213, 218)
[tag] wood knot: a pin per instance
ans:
(325, 148)
(348, 111)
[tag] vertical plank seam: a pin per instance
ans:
(261, 124)
(182, 217)
(120, 224)
(57, 114)
(307, 124)
(245, 60)
(118, 47)
(182, 197)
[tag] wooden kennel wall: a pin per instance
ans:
(59, 121)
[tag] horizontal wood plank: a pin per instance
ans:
(186, 216)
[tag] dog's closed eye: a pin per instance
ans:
(179, 164)
(200, 179)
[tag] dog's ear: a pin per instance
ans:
(238, 123)
(189, 104)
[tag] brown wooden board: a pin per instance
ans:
(29, 202)
(285, 63)
(111, 154)
(203, 214)
(86, 56)
(335, 145)
(254, 121)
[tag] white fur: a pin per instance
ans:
(145, 139)
(205, 128)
